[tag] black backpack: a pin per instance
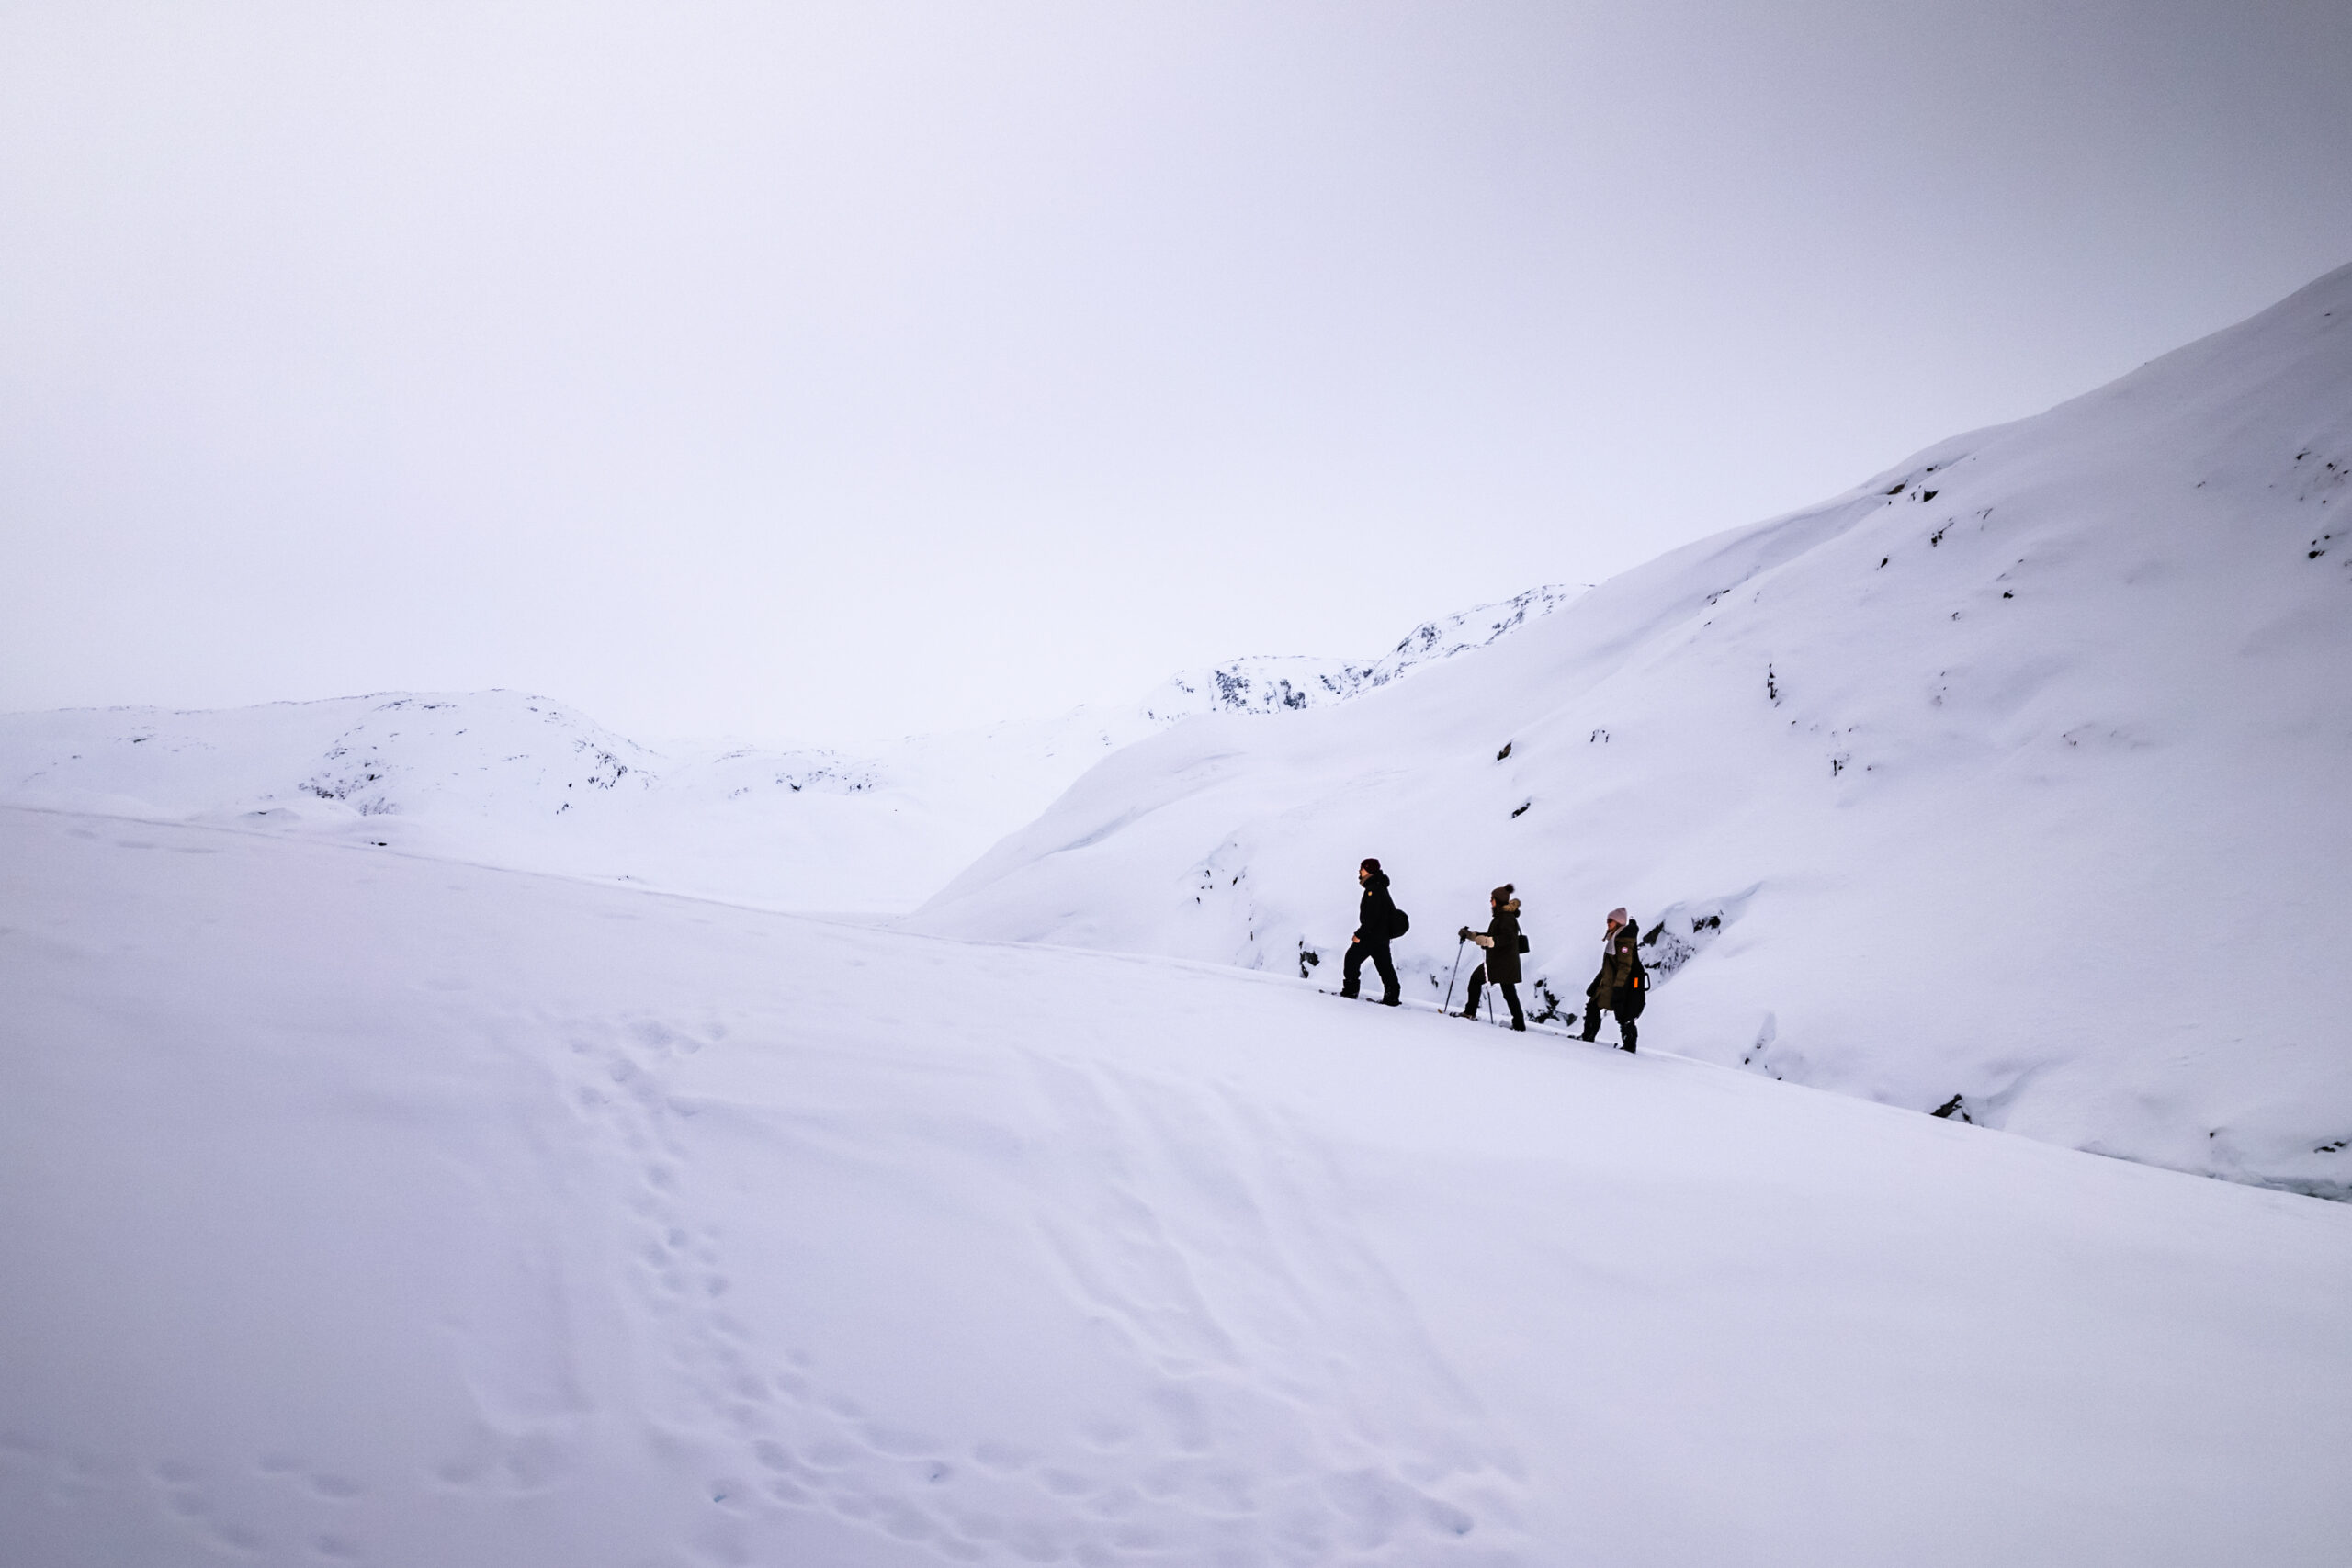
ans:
(1400, 925)
(1636, 995)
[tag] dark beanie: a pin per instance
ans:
(1370, 863)
(1500, 894)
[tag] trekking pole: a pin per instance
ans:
(1447, 1010)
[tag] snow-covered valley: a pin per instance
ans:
(366, 1208)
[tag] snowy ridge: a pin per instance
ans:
(2012, 777)
(395, 754)
(404, 751)
(1288, 683)
(498, 778)
(508, 778)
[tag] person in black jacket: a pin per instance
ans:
(1503, 944)
(1376, 928)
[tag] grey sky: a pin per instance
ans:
(822, 372)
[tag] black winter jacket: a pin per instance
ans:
(1377, 915)
(1502, 959)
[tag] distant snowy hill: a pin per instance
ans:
(506, 778)
(502, 778)
(2016, 775)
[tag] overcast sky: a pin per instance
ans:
(823, 372)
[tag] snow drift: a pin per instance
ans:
(2015, 775)
(368, 1209)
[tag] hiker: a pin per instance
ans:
(1623, 983)
(1503, 944)
(1378, 923)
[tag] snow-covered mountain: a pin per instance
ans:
(1287, 682)
(502, 778)
(506, 778)
(2015, 776)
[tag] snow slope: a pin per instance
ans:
(2016, 774)
(363, 1208)
(506, 778)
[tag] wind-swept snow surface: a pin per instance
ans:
(2016, 774)
(366, 1209)
(507, 778)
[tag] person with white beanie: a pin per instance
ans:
(1622, 985)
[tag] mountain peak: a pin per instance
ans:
(1270, 683)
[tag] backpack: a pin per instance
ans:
(1635, 995)
(1400, 925)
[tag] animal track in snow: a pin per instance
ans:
(1238, 1433)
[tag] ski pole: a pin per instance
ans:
(1448, 1008)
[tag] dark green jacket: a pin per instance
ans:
(1618, 957)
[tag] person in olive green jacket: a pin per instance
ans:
(1615, 987)
(1503, 944)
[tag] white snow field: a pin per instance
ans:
(508, 778)
(2017, 774)
(361, 1208)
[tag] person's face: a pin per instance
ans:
(1364, 876)
(1613, 923)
